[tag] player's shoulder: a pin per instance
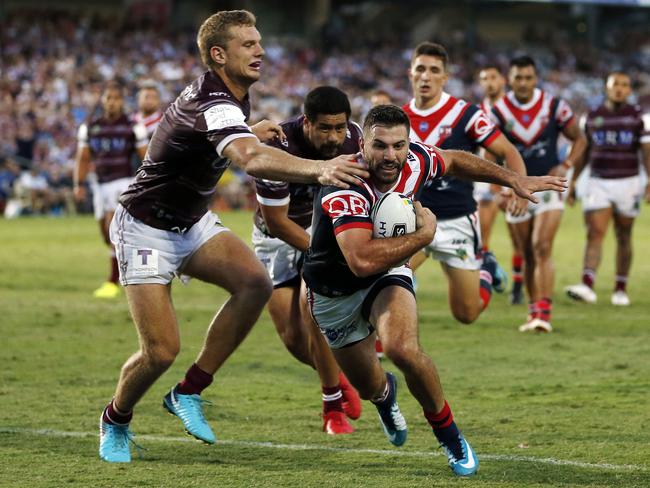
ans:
(355, 201)
(207, 91)
(424, 152)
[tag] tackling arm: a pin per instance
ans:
(270, 163)
(282, 227)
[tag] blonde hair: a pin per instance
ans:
(214, 31)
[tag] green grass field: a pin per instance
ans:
(568, 409)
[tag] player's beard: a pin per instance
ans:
(328, 151)
(380, 175)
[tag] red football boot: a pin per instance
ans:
(351, 399)
(335, 423)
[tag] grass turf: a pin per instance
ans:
(527, 403)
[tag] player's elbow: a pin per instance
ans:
(251, 160)
(361, 267)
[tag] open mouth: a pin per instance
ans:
(256, 65)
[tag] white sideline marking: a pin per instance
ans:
(314, 447)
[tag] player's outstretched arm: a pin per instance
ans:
(470, 167)
(505, 150)
(367, 256)
(270, 163)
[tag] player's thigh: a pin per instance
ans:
(394, 314)
(597, 222)
(463, 287)
(545, 227)
(154, 316)
(226, 261)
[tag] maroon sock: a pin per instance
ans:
(115, 271)
(588, 277)
(111, 415)
(621, 283)
(196, 380)
(517, 265)
(332, 399)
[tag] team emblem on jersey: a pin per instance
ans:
(445, 131)
(599, 121)
(483, 125)
(525, 118)
(424, 126)
(188, 93)
(95, 129)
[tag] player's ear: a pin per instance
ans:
(218, 55)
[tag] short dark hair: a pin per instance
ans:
(326, 100)
(214, 31)
(114, 85)
(386, 115)
(431, 49)
(523, 62)
(490, 66)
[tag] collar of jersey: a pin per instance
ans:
(537, 93)
(444, 98)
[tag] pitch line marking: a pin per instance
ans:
(313, 447)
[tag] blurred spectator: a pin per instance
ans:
(9, 173)
(53, 67)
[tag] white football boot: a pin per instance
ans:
(620, 298)
(581, 293)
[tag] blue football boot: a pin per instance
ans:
(467, 465)
(189, 408)
(390, 416)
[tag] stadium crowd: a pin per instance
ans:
(53, 69)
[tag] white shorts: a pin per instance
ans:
(281, 260)
(149, 255)
(457, 242)
(548, 200)
(345, 320)
(483, 192)
(624, 194)
(106, 195)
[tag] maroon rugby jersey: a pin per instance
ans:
(177, 179)
(615, 137)
(299, 196)
(112, 145)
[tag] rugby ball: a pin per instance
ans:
(393, 216)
